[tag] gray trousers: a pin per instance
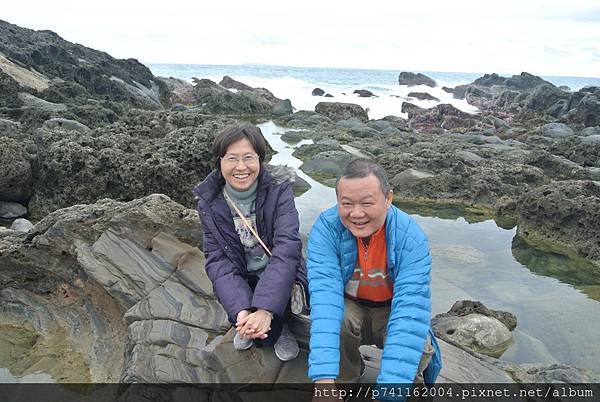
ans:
(364, 325)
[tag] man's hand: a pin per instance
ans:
(254, 325)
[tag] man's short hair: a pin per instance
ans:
(234, 133)
(359, 168)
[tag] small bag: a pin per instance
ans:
(298, 301)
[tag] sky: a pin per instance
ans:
(549, 37)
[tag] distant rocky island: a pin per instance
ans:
(103, 155)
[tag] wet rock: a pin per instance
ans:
(408, 176)
(352, 122)
(292, 137)
(543, 97)
(11, 210)
(328, 162)
(65, 124)
(180, 91)
(283, 108)
(556, 130)
(412, 79)
(21, 225)
(363, 131)
(475, 332)
(590, 131)
(499, 123)
(553, 374)
(422, 96)
(230, 83)
(591, 140)
(588, 110)
(318, 92)
(328, 95)
(337, 111)
(466, 307)
(363, 93)
(438, 118)
(490, 79)
(16, 178)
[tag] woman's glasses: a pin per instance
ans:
(234, 160)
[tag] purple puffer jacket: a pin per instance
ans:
(277, 225)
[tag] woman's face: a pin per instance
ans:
(240, 165)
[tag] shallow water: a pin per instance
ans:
(557, 321)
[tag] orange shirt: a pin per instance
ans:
(370, 280)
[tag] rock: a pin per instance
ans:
(230, 83)
(337, 111)
(422, 96)
(526, 81)
(363, 131)
(448, 90)
(352, 122)
(33, 102)
(466, 307)
(566, 213)
(292, 137)
(553, 374)
(180, 91)
(123, 162)
(499, 124)
(178, 107)
(490, 79)
(556, 130)
(16, 178)
(412, 79)
(286, 173)
(213, 98)
(475, 332)
(363, 93)
(544, 96)
(65, 124)
(318, 92)
(21, 225)
(590, 131)
(328, 162)
(328, 95)
(469, 158)
(9, 128)
(588, 110)
(438, 118)
(283, 108)
(11, 210)
(591, 140)
(408, 176)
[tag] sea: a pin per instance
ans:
(297, 84)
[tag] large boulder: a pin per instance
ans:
(363, 93)
(412, 79)
(337, 111)
(439, 118)
(213, 98)
(283, 108)
(327, 162)
(180, 91)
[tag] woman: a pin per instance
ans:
(252, 281)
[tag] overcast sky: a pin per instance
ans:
(549, 37)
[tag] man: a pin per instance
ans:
(369, 274)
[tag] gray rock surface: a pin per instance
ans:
(283, 108)
(476, 332)
(412, 79)
(16, 177)
(65, 124)
(422, 96)
(11, 210)
(329, 162)
(21, 225)
(556, 130)
(337, 111)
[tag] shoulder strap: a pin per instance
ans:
(248, 225)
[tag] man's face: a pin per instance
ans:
(361, 204)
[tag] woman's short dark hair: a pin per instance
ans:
(359, 168)
(234, 133)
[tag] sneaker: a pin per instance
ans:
(286, 347)
(241, 343)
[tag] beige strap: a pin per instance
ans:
(248, 225)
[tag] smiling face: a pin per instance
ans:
(238, 173)
(361, 204)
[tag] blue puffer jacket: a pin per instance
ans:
(332, 256)
(277, 225)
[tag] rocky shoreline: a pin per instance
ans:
(77, 126)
